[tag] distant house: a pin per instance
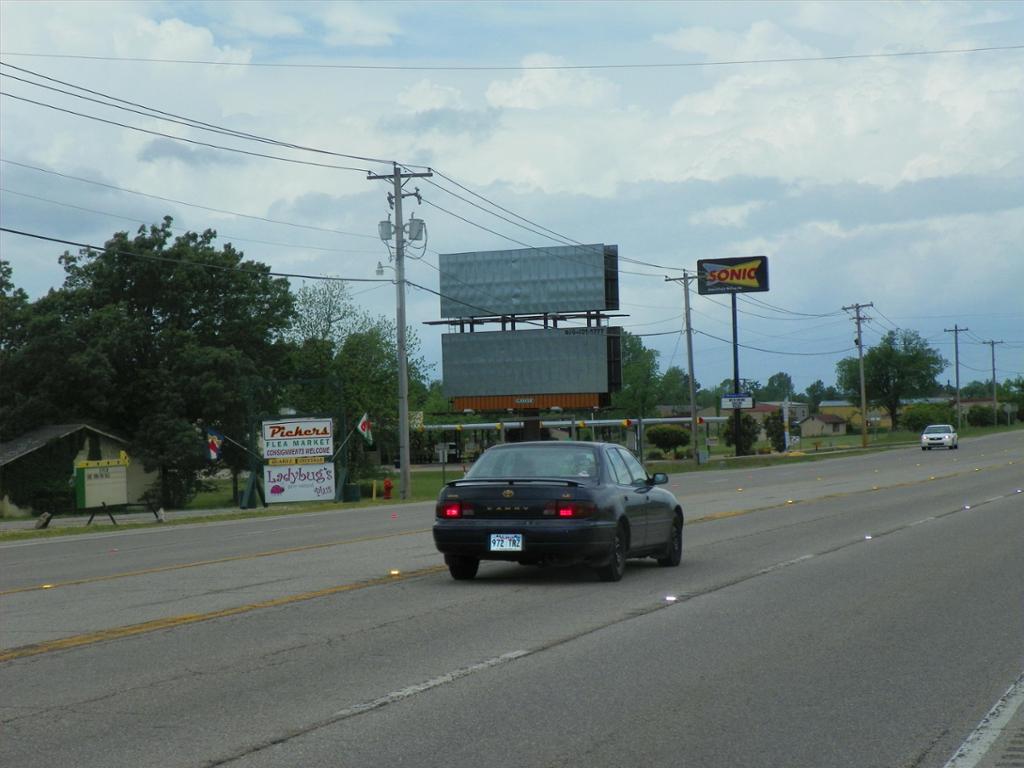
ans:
(665, 411)
(797, 411)
(37, 469)
(822, 425)
(850, 413)
(759, 413)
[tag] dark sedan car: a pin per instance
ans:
(558, 502)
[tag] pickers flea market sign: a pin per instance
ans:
(746, 275)
(298, 438)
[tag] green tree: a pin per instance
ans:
(668, 437)
(901, 365)
(153, 337)
(749, 431)
(776, 431)
(674, 387)
(640, 379)
(779, 386)
(817, 392)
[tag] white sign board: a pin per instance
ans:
(298, 482)
(298, 438)
(737, 401)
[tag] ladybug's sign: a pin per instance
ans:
(746, 275)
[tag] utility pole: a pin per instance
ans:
(860, 354)
(995, 399)
(956, 331)
(397, 178)
(685, 280)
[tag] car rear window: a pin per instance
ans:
(568, 461)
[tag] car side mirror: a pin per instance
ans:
(660, 478)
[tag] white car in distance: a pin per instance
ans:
(938, 436)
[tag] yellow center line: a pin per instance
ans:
(217, 561)
(116, 633)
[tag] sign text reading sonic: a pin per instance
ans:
(746, 275)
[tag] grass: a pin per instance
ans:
(427, 482)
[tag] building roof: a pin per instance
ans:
(763, 408)
(835, 404)
(25, 444)
(826, 418)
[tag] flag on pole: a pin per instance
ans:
(215, 443)
(365, 429)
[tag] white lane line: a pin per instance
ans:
(412, 690)
(981, 739)
(780, 566)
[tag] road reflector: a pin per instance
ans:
(867, 538)
(50, 586)
(394, 572)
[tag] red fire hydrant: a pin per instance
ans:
(388, 485)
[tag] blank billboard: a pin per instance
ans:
(536, 362)
(567, 278)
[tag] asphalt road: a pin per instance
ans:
(873, 621)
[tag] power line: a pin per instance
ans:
(782, 310)
(775, 351)
(182, 139)
(186, 204)
(221, 235)
(171, 116)
(520, 242)
(164, 259)
(516, 68)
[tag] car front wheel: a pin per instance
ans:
(461, 567)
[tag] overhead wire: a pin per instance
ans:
(164, 259)
(519, 67)
(187, 204)
(775, 351)
(196, 142)
(221, 235)
(171, 116)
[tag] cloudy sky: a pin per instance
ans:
(897, 180)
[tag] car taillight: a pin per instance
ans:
(569, 509)
(452, 510)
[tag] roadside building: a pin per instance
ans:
(850, 413)
(39, 469)
(822, 425)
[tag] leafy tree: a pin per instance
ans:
(976, 390)
(153, 337)
(639, 378)
(668, 437)
(749, 431)
(776, 431)
(901, 365)
(779, 386)
(674, 387)
(817, 392)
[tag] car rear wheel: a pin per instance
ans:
(461, 567)
(616, 565)
(674, 547)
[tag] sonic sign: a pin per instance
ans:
(746, 275)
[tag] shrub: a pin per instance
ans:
(980, 416)
(655, 455)
(668, 437)
(916, 417)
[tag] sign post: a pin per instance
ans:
(732, 276)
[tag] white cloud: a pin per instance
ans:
(537, 89)
(763, 40)
(349, 24)
(725, 215)
(426, 95)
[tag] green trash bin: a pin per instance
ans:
(350, 493)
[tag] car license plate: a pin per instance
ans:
(506, 542)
